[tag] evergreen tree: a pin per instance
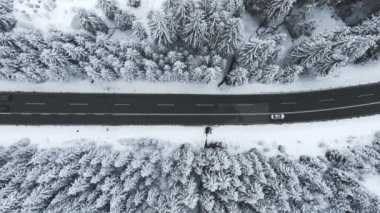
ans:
(124, 20)
(195, 31)
(181, 71)
(6, 6)
(238, 76)
(139, 30)
(276, 10)
(230, 36)
(173, 26)
(258, 53)
(7, 23)
(182, 10)
(215, 26)
(158, 26)
(109, 7)
(91, 22)
(255, 6)
(151, 70)
(134, 3)
(301, 22)
(235, 7)
(130, 71)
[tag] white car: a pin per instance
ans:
(277, 116)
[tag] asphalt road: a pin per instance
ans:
(148, 109)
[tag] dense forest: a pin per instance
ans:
(193, 41)
(147, 177)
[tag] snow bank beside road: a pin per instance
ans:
(298, 139)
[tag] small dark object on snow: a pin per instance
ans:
(208, 130)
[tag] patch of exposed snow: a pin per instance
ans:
(372, 183)
(326, 21)
(59, 16)
(250, 24)
(49, 14)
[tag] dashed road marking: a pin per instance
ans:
(78, 104)
(35, 103)
(122, 104)
(326, 100)
(244, 105)
(166, 105)
(205, 105)
(365, 95)
(289, 103)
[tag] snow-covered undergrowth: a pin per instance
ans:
(351, 75)
(146, 176)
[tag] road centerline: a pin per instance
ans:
(166, 105)
(122, 104)
(289, 103)
(366, 95)
(78, 104)
(205, 105)
(31, 103)
(327, 100)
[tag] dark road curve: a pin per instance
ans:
(171, 109)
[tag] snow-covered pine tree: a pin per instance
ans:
(159, 30)
(130, 71)
(215, 25)
(182, 10)
(7, 23)
(173, 26)
(124, 20)
(255, 6)
(151, 70)
(91, 22)
(195, 31)
(276, 10)
(139, 30)
(134, 3)
(288, 74)
(258, 53)
(230, 36)
(109, 7)
(235, 7)
(311, 52)
(181, 71)
(58, 63)
(6, 6)
(98, 69)
(300, 22)
(238, 76)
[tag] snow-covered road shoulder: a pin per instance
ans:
(298, 139)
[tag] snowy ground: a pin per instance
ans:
(346, 76)
(51, 14)
(298, 139)
(372, 183)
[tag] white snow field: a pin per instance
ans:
(298, 139)
(48, 14)
(372, 183)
